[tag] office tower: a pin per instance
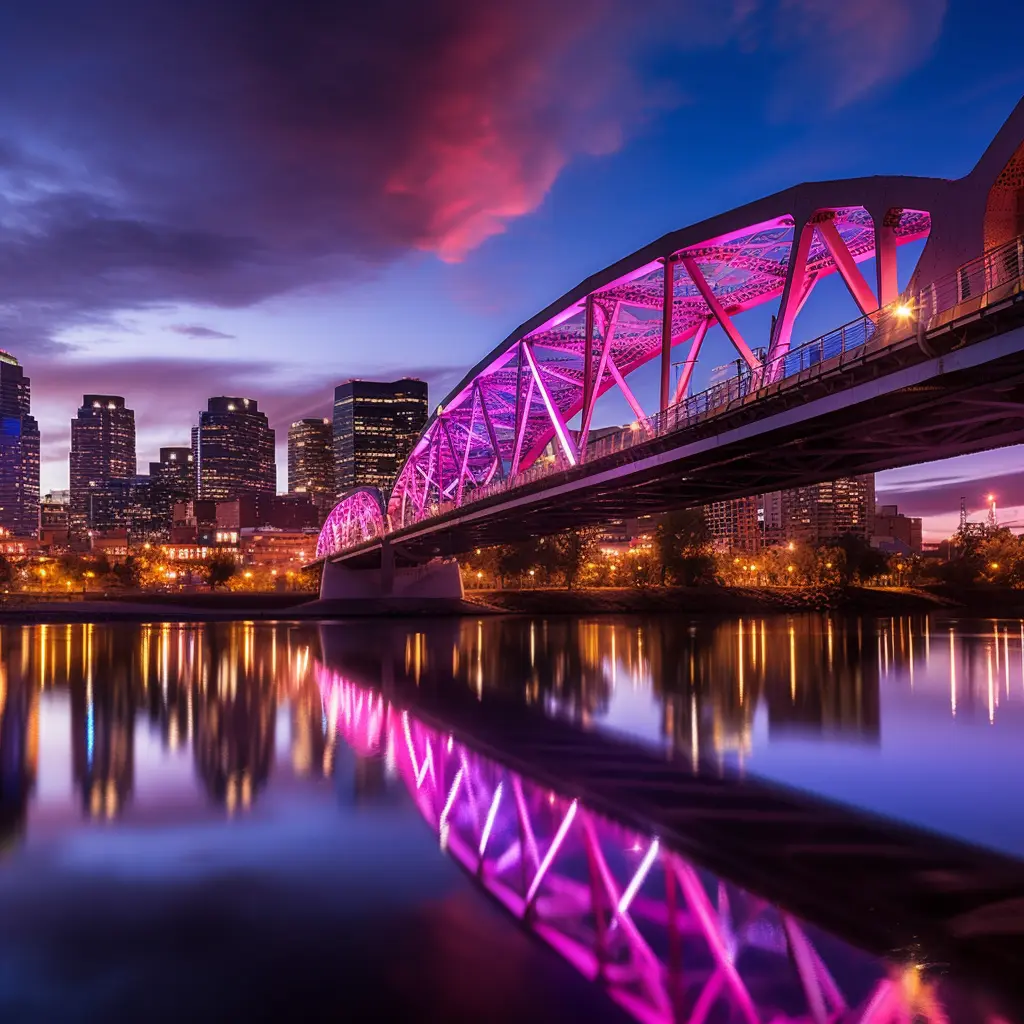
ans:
(233, 448)
(823, 512)
(376, 425)
(171, 479)
(102, 462)
(311, 462)
(19, 452)
(734, 525)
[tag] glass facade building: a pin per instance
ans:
(823, 512)
(376, 425)
(19, 452)
(233, 450)
(171, 479)
(102, 463)
(311, 462)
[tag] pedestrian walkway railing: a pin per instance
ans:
(991, 278)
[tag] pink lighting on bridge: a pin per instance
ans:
(667, 940)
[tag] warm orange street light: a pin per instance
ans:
(993, 565)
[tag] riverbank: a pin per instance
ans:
(707, 600)
(714, 600)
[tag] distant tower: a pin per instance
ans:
(311, 461)
(963, 513)
(992, 521)
(102, 462)
(375, 427)
(19, 452)
(233, 450)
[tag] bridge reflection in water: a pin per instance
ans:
(668, 940)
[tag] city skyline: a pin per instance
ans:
(241, 244)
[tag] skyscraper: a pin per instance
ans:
(733, 525)
(375, 426)
(311, 462)
(102, 462)
(823, 512)
(171, 479)
(233, 448)
(19, 451)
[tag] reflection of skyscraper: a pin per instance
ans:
(102, 741)
(234, 738)
(19, 756)
(312, 749)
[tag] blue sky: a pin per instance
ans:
(190, 208)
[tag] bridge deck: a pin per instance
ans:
(890, 889)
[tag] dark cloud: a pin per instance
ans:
(198, 331)
(937, 496)
(222, 151)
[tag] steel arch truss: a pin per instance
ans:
(667, 940)
(359, 516)
(513, 411)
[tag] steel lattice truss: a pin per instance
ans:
(513, 409)
(668, 941)
(358, 517)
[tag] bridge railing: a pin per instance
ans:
(989, 278)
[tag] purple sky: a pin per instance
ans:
(221, 197)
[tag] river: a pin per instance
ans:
(193, 828)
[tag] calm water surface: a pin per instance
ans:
(188, 832)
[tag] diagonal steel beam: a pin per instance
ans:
(691, 361)
(554, 413)
(624, 388)
(666, 332)
(847, 267)
(793, 290)
(719, 313)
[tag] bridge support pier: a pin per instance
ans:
(438, 579)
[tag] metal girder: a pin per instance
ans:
(719, 313)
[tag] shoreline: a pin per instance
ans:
(712, 601)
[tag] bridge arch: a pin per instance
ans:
(359, 516)
(528, 406)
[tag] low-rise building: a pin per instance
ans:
(896, 533)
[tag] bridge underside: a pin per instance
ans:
(888, 407)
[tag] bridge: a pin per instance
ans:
(685, 895)
(933, 370)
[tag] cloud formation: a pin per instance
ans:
(216, 153)
(223, 152)
(198, 331)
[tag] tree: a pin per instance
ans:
(572, 550)
(682, 547)
(6, 572)
(218, 570)
(861, 561)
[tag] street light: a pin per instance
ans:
(993, 565)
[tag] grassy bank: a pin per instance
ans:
(705, 600)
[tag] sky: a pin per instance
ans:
(206, 197)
